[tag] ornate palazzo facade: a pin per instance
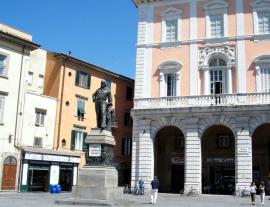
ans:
(202, 94)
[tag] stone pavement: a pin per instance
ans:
(164, 200)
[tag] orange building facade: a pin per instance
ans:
(72, 82)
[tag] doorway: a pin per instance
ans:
(38, 179)
(66, 175)
(169, 159)
(9, 173)
(218, 161)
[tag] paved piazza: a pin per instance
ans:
(164, 200)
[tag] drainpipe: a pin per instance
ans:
(61, 102)
(16, 121)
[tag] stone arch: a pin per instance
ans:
(255, 122)
(157, 125)
(205, 124)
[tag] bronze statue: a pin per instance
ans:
(102, 106)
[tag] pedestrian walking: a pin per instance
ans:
(253, 189)
(154, 191)
(141, 187)
(262, 192)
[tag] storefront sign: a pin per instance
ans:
(221, 160)
(74, 159)
(177, 160)
(243, 151)
(30, 156)
(55, 158)
(52, 158)
(94, 150)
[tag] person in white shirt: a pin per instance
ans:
(253, 189)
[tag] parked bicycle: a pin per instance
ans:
(189, 192)
(242, 192)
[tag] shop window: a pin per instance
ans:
(78, 137)
(223, 141)
(127, 118)
(40, 117)
(37, 142)
(126, 146)
(83, 79)
(129, 93)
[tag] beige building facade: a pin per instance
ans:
(201, 107)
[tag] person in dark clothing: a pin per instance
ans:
(154, 191)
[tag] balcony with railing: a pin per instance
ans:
(201, 101)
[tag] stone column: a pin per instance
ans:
(243, 154)
(161, 84)
(229, 80)
(142, 152)
(206, 82)
(192, 155)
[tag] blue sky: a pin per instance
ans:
(102, 32)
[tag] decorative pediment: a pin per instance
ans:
(216, 4)
(171, 12)
(260, 3)
(170, 67)
(262, 59)
(227, 53)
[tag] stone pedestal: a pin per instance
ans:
(98, 179)
(97, 182)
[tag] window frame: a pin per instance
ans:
(126, 149)
(216, 7)
(80, 98)
(39, 121)
(78, 79)
(6, 65)
(171, 14)
(40, 81)
(128, 122)
(165, 69)
(41, 142)
(259, 6)
(30, 74)
(262, 63)
(223, 141)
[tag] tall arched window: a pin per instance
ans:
(217, 76)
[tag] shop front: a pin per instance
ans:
(43, 168)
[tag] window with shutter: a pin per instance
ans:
(72, 145)
(83, 79)
(84, 147)
(171, 30)
(80, 112)
(37, 142)
(216, 25)
(40, 117)
(263, 22)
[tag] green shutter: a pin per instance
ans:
(88, 81)
(77, 79)
(72, 145)
(84, 148)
